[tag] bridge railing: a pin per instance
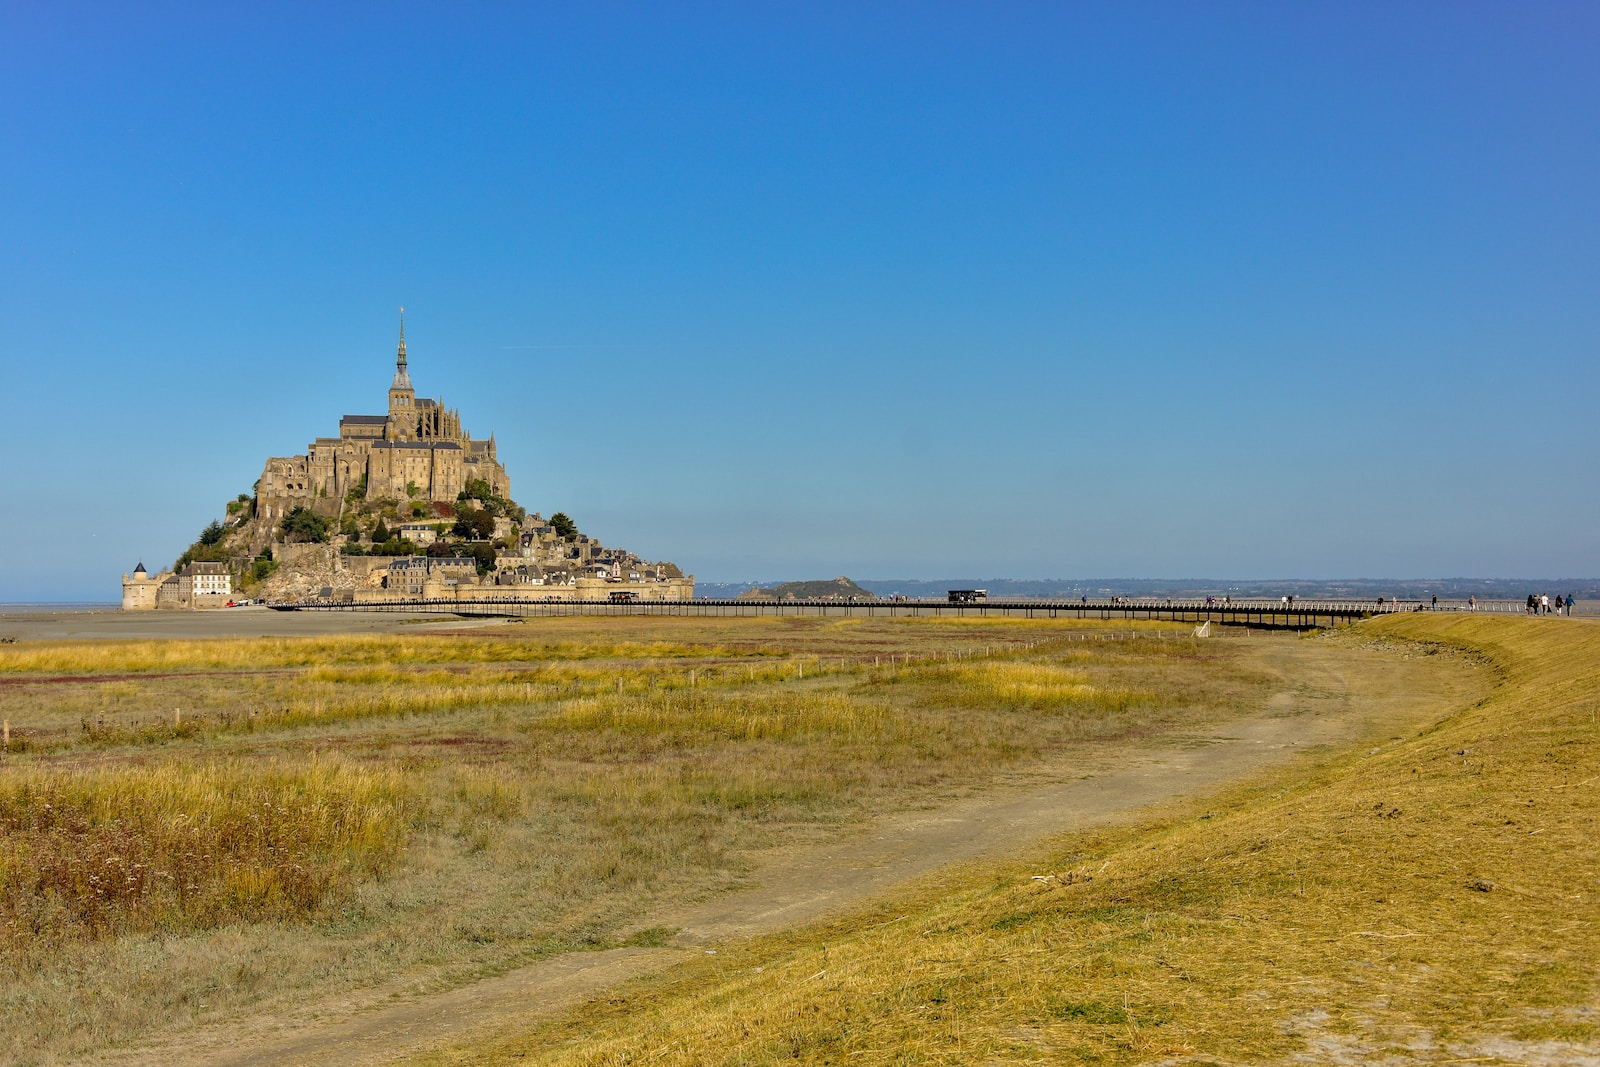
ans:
(1260, 611)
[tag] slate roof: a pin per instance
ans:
(416, 444)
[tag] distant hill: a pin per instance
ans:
(840, 588)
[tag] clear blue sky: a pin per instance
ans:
(888, 290)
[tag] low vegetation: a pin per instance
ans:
(428, 808)
(109, 850)
(82, 657)
(1432, 899)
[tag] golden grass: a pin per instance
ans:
(188, 701)
(108, 850)
(541, 808)
(86, 712)
(1045, 687)
(75, 657)
(799, 715)
(565, 640)
(1433, 899)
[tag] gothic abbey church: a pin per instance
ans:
(418, 450)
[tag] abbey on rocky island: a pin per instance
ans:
(398, 506)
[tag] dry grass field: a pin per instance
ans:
(1433, 898)
(191, 830)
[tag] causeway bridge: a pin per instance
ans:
(1262, 613)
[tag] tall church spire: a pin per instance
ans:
(402, 380)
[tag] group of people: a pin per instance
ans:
(1540, 604)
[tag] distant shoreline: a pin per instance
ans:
(1512, 588)
(57, 607)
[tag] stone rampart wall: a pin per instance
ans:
(587, 589)
(286, 552)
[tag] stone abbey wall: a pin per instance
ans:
(323, 571)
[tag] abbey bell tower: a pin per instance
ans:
(402, 398)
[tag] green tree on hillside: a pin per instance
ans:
(477, 489)
(473, 523)
(380, 533)
(485, 555)
(212, 533)
(564, 527)
(394, 546)
(302, 525)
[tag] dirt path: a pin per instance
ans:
(1331, 695)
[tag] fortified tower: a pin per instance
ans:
(139, 589)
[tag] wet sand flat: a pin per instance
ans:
(117, 625)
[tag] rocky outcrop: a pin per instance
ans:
(309, 571)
